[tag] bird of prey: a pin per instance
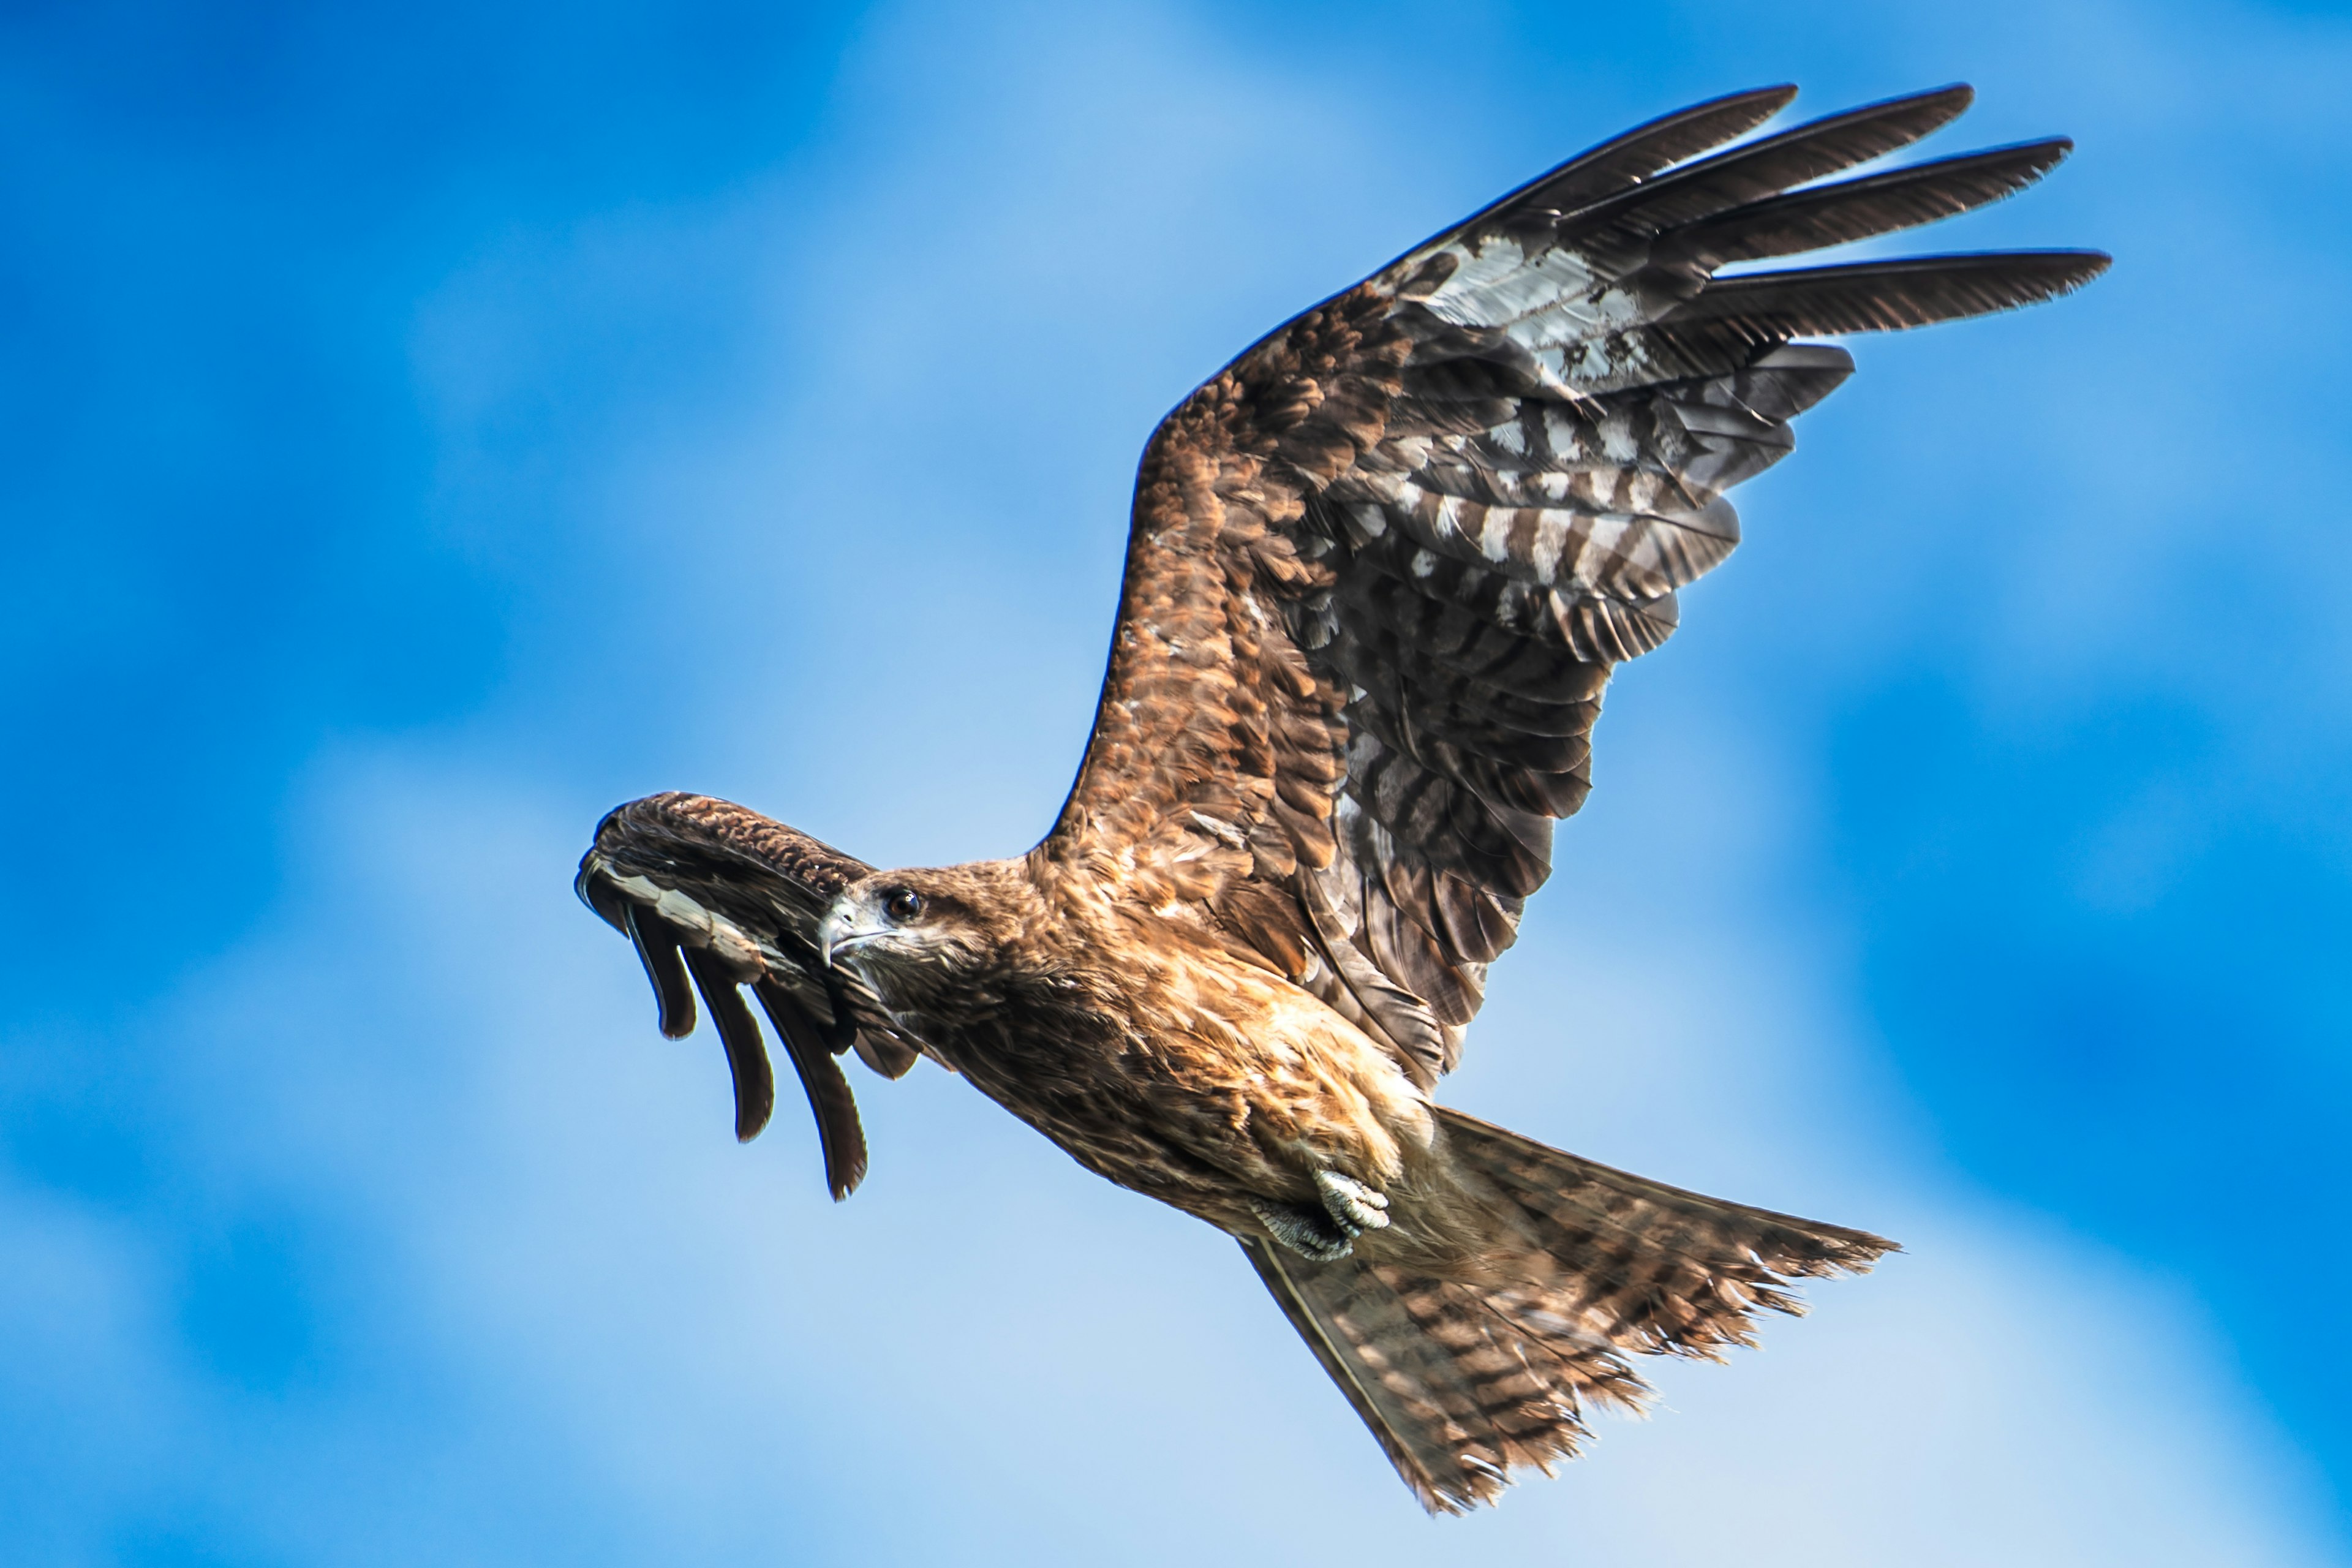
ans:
(1379, 570)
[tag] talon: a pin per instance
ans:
(1355, 1207)
(1305, 1232)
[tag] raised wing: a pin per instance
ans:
(712, 892)
(1382, 564)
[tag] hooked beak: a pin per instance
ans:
(841, 929)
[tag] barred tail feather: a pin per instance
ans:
(1464, 1381)
(1459, 1385)
(1647, 1266)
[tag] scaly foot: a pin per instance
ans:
(1305, 1231)
(1354, 1207)
(1349, 1209)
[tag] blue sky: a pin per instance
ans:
(428, 425)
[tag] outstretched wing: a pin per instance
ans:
(711, 890)
(1381, 566)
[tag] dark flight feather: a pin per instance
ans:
(1862, 209)
(656, 947)
(1887, 296)
(830, 1101)
(1625, 161)
(747, 1055)
(1763, 168)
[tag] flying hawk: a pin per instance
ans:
(1379, 570)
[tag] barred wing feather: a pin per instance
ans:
(1382, 564)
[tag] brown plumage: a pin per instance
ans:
(1380, 569)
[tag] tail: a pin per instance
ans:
(1463, 1383)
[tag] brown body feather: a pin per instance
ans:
(1379, 570)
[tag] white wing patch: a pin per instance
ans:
(693, 921)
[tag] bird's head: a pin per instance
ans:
(910, 934)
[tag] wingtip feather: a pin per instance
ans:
(754, 1077)
(657, 949)
(840, 1136)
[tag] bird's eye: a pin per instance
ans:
(902, 904)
